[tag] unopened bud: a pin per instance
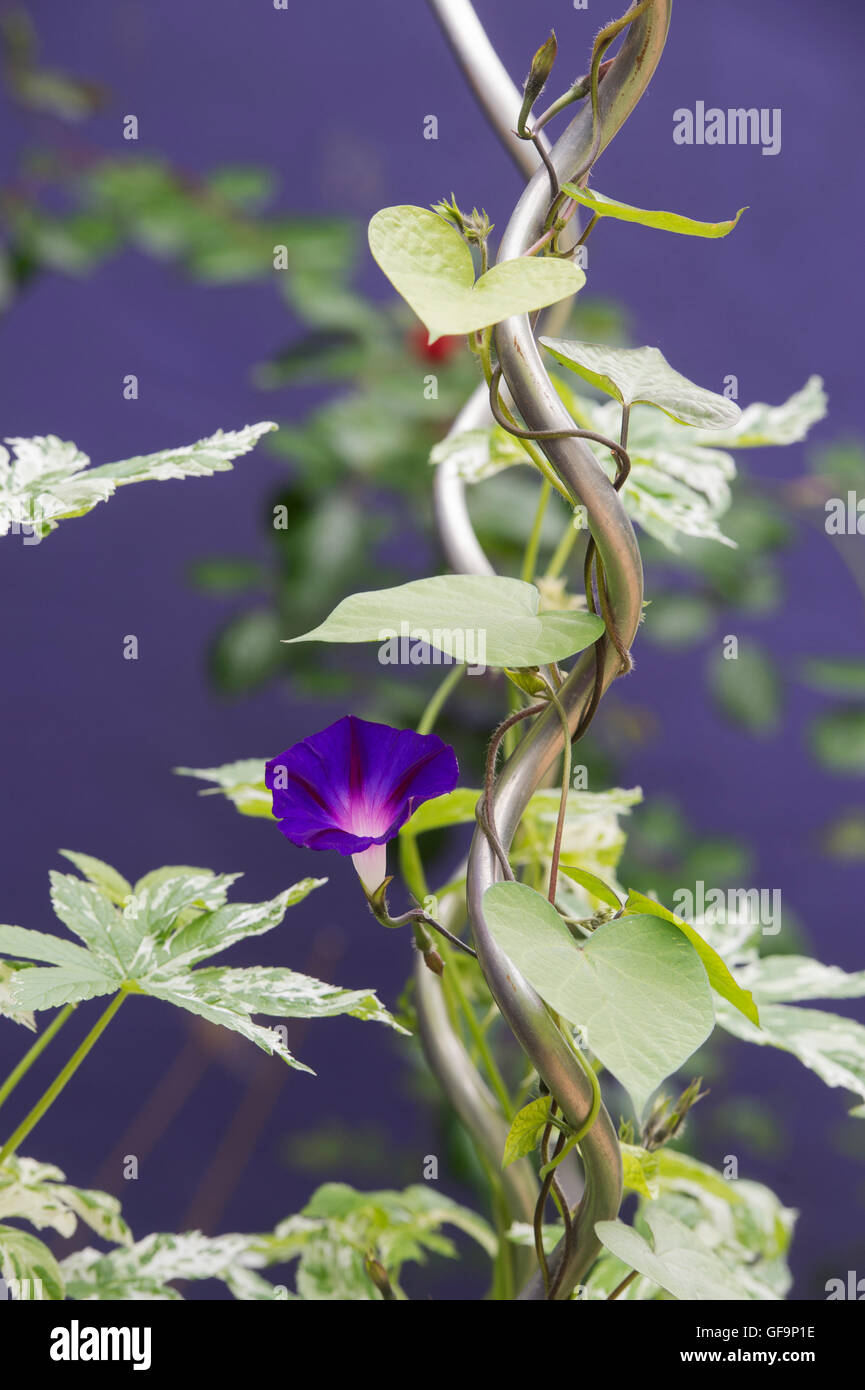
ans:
(542, 66)
(433, 961)
(378, 1274)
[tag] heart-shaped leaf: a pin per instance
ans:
(643, 374)
(430, 265)
(680, 1261)
(661, 221)
(483, 620)
(636, 986)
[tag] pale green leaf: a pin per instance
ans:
(526, 1129)
(677, 1259)
(481, 619)
(242, 782)
(744, 1221)
(454, 808)
(49, 987)
(636, 988)
(106, 879)
(429, 264)
(717, 970)
(660, 221)
(22, 943)
(592, 883)
(633, 375)
(639, 1170)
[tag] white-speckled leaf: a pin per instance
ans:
(644, 376)
(795, 979)
(37, 1193)
(46, 479)
(173, 918)
(827, 1044)
(212, 932)
(9, 1007)
(760, 425)
(181, 990)
(280, 993)
(25, 1258)
(143, 1272)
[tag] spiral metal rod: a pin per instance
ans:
(537, 401)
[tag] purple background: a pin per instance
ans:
(333, 96)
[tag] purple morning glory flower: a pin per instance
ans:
(354, 785)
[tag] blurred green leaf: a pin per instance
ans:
(838, 741)
(679, 619)
(225, 574)
(844, 838)
(747, 688)
(835, 676)
(245, 186)
(247, 651)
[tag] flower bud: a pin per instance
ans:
(542, 66)
(378, 1274)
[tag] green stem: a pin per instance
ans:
(503, 1277)
(563, 549)
(48, 1098)
(35, 1051)
(480, 1041)
(438, 699)
(530, 558)
(566, 786)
